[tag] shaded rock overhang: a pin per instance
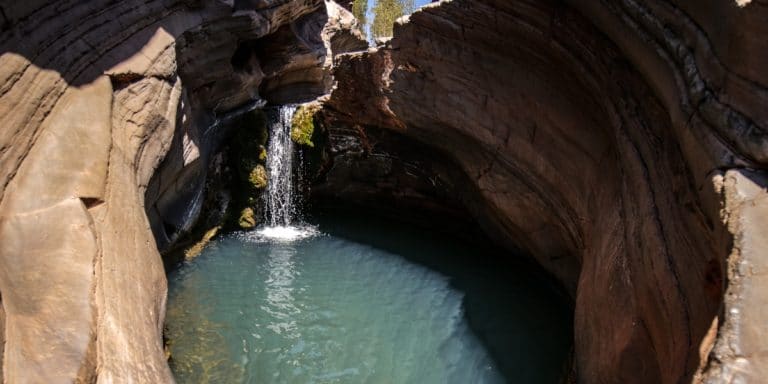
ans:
(621, 143)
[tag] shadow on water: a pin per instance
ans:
(370, 300)
(516, 311)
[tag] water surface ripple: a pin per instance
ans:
(332, 309)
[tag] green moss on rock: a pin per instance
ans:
(303, 124)
(247, 219)
(195, 250)
(258, 177)
(262, 154)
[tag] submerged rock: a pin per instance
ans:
(193, 251)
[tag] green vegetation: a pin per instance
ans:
(303, 124)
(385, 12)
(258, 177)
(359, 7)
(247, 220)
(193, 251)
(246, 159)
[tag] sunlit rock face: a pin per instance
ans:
(111, 111)
(620, 144)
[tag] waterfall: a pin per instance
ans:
(279, 196)
(283, 219)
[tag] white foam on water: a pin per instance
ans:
(281, 233)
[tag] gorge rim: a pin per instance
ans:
(615, 150)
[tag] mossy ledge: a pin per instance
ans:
(258, 177)
(250, 178)
(195, 250)
(303, 124)
(247, 219)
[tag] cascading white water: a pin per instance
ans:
(279, 194)
(280, 198)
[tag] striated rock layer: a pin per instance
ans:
(110, 112)
(621, 144)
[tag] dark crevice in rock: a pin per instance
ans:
(5, 23)
(123, 80)
(91, 202)
(233, 114)
(260, 5)
(244, 59)
(169, 230)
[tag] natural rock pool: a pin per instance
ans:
(362, 301)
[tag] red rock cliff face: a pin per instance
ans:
(620, 143)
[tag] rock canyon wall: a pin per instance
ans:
(621, 144)
(110, 112)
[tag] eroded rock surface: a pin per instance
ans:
(111, 111)
(608, 139)
(622, 144)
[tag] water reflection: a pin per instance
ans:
(280, 303)
(341, 309)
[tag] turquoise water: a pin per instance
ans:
(362, 301)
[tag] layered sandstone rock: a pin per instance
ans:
(618, 143)
(621, 144)
(110, 112)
